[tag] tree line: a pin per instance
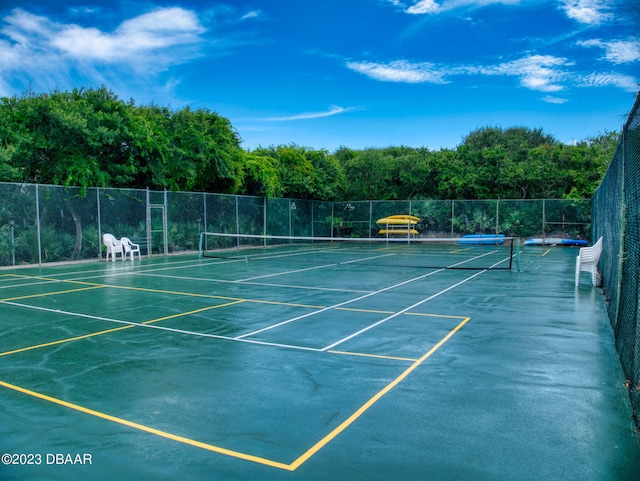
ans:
(91, 138)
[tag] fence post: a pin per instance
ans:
(99, 215)
(544, 221)
(12, 225)
(165, 221)
(148, 221)
(237, 221)
(38, 225)
(204, 212)
(453, 215)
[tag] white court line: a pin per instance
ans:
(335, 306)
(121, 266)
(124, 269)
(248, 279)
(266, 284)
(242, 337)
(121, 271)
(367, 258)
(149, 272)
(160, 328)
(271, 255)
(152, 269)
(396, 314)
(257, 342)
(309, 288)
(285, 273)
(312, 268)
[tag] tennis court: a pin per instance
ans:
(290, 364)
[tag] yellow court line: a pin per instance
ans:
(99, 333)
(52, 280)
(115, 286)
(175, 293)
(142, 427)
(351, 419)
(236, 454)
(444, 316)
(206, 296)
(546, 252)
(44, 294)
(195, 311)
(62, 341)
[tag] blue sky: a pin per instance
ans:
(331, 73)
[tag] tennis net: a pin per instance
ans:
(474, 253)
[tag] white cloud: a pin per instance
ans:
(550, 99)
(590, 12)
(422, 7)
(617, 51)
(34, 47)
(536, 72)
(399, 71)
(142, 35)
(542, 73)
(252, 14)
(333, 110)
(625, 82)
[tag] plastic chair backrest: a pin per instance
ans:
(591, 254)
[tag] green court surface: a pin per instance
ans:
(181, 368)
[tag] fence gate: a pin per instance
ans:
(157, 238)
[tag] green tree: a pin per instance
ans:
(260, 176)
(205, 153)
(150, 147)
(454, 178)
(328, 176)
(66, 138)
(499, 158)
(365, 177)
(89, 137)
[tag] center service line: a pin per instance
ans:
(335, 306)
(331, 346)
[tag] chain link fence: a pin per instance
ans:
(616, 214)
(43, 223)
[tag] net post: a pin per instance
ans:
(518, 254)
(200, 245)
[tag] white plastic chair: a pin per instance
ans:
(130, 248)
(114, 247)
(587, 260)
